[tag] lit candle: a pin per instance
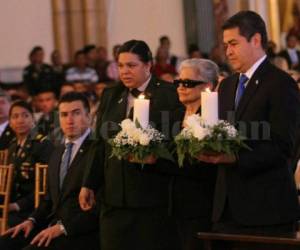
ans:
(209, 107)
(141, 110)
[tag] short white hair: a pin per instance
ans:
(205, 68)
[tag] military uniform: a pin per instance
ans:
(40, 77)
(48, 123)
(36, 149)
(7, 136)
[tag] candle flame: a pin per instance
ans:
(141, 96)
(207, 90)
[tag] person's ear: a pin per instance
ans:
(89, 117)
(256, 40)
(148, 66)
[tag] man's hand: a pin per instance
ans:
(13, 207)
(47, 235)
(25, 226)
(86, 198)
(217, 158)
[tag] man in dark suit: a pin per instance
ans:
(6, 133)
(136, 199)
(291, 53)
(59, 223)
(255, 191)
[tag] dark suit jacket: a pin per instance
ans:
(6, 138)
(126, 184)
(286, 55)
(259, 188)
(193, 184)
(63, 204)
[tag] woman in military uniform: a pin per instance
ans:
(27, 149)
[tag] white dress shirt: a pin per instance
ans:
(130, 98)
(77, 143)
(293, 55)
(250, 72)
(3, 127)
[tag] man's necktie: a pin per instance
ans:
(135, 93)
(241, 89)
(65, 162)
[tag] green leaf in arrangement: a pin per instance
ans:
(221, 138)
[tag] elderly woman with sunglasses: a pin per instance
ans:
(193, 186)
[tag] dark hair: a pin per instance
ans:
(290, 35)
(163, 38)
(78, 53)
(45, 90)
(249, 23)
(35, 50)
(138, 47)
(75, 96)
(5, 95)
(21, 104)
(192, 48)
(87, 48)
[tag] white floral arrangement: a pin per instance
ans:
(198, 138)
(137, 144)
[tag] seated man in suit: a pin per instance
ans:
(291, 54)
(58, 222)
(6, 133)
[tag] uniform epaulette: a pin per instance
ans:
(40, 137)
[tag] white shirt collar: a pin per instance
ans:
(144, 85)
(77, 143)
(293, 50)
(79, 140)
(3, 127)
(249, 73)
(130, 98)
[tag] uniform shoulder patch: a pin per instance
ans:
(40, 137)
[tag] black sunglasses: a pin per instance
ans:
(187, 83)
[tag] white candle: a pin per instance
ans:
(209, 107)
(141, 110)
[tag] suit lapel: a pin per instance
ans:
(250, 89)
(227, 97)
(232, 92)
(154, 111)
(119, 104)
(74, 164)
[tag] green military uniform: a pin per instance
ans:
(7, 136)
(37, 77)
(47, 124)
(36, 149)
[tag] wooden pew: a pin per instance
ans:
(289, 242)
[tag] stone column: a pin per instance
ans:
(60, 28)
